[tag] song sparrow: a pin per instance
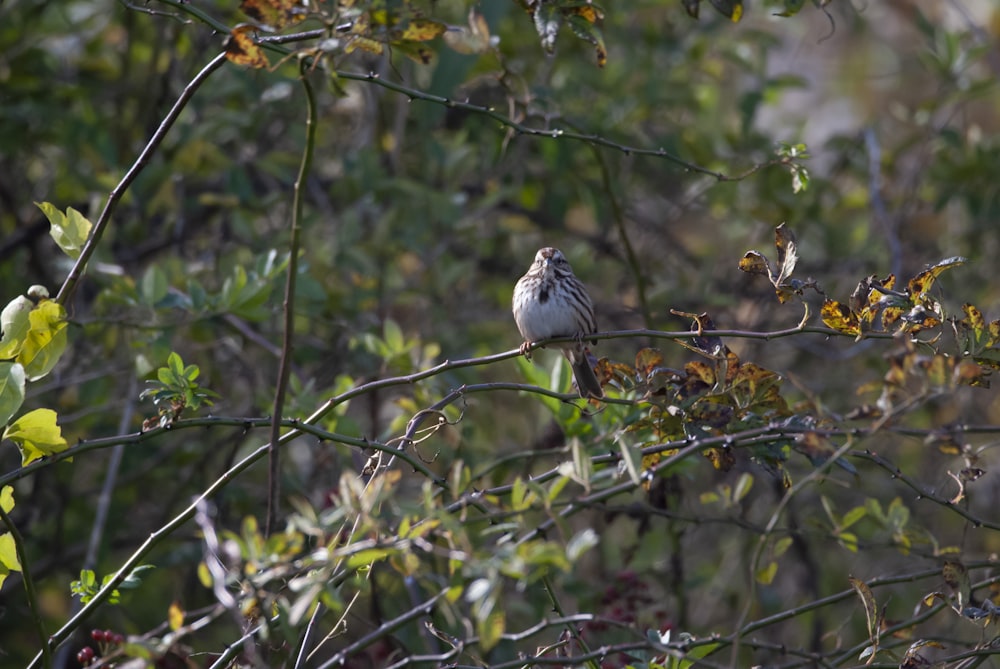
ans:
(549, 301)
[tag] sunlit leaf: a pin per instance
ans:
(45, 341)
(36, 435)
(70, 230)
(839, 317)
(15, 324)
(922, 283)
(755, 263)
(422, 30)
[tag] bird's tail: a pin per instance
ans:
(583, 372)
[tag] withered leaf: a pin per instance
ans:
(241, 49)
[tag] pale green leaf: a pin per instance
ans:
(581, 542)
(154, 286)
(70, 230)
(491, 629)
(8, 556)
(11, 390)
(14, 324)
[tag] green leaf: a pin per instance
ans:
(132, 581)
(587, 30)
(153, 287)
(853, 516)
(70, 230)
(36, 435)
(11, 390)
(7, 498)
(393, 336)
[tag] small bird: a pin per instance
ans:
(549, 301)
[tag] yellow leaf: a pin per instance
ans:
(922, 282)
(839, 317)
(45, 340)
(8, 556)
(365, 44)
(755, 263)
(7, 498)
(242, 50)
(766, 574)
(175, 615)
(422, 30)
(36, 435)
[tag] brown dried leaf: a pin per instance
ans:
(647, 360)
(957, 578)
(755, 263)
(868, 602)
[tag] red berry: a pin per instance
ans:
(85, 656)
(118, 639)
(97, 635)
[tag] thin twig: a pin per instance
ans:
(29, 589)
(76, 273)
(288, 306)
